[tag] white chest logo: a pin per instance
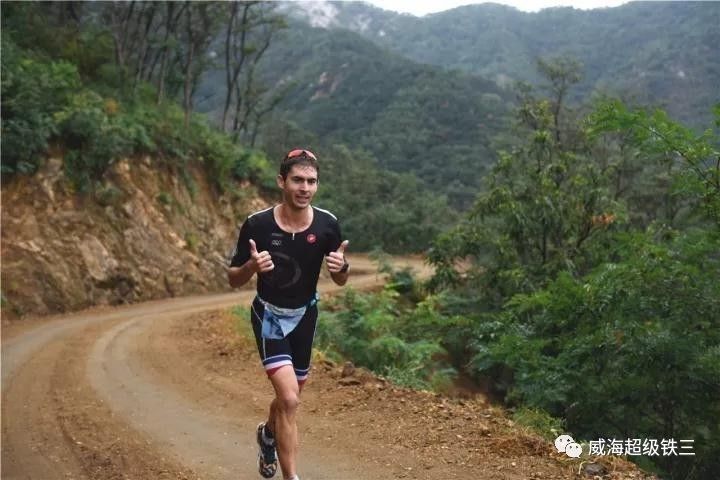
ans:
(276, 243)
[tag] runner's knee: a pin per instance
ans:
(289, 402)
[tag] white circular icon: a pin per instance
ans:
(562, 442)
(573, 450)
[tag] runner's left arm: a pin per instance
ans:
(336, 262)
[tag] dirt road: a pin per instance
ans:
(167, 390)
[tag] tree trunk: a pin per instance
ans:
(144, 48)
(228, 75)
(170, 29)
(187, 97)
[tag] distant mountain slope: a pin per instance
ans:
(411, 117)
(663, 53)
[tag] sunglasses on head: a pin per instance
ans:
(298, 152)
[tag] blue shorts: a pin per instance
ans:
(295, 349)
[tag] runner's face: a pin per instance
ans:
(299, 187)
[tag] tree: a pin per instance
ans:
(34, 91)
(202, 21)
(630, 350)
(563, 73)
(613, 327)
(691, 161)
(542, 204)
(249, 32)
(145, 34)
(173, 14)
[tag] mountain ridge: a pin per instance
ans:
(654, 53)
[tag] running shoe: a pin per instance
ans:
(267, 457)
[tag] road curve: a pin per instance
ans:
(79, 401)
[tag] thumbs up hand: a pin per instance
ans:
(336, 260)
(261, 262)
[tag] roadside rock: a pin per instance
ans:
(594, 469)
(348, 370)
(144, 233)
(99, 263)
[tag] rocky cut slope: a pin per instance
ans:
(146, 233)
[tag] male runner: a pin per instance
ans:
(285, 245)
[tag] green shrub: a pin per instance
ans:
(108, 195)
(33, 91)
(137, 122)
(217, 152)
(254, 165)
(93, 138)
(370, 329)
(540, 422)
(631, 350)
(169, 134)
(192, 241)
(164, 198)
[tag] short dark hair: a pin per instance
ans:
(298, 156)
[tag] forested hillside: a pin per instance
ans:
(395, 88)
(109, 81)
(659, 53)
(581, 287)
(413, 118)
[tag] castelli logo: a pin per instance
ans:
(311, 238)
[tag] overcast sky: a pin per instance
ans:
(422, 7)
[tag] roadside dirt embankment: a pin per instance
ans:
(145, 233)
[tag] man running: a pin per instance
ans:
(285, 245)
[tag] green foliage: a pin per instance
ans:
(562, 72)
(162, 129)
(164, 198)
(690, 158)
(98, 120)
(612, 326)
(395, 212)
(254, 165)
(540, 422)
(51, 29)
(33, 91)
(545, 208)
(108, 195)
(503, 44)
(585, 299)
(94, 138)
(408, 118)
(215, 150)
(371, 330)
(440, 128)
(191, 239)
(630, 350)
(172, 140)
(403, 281)
(411, 342)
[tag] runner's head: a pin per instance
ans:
(298, 178)
(298, 157)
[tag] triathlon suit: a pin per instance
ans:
(291, 284)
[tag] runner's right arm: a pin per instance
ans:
(258, 263)
(239, 276)
(246, 260)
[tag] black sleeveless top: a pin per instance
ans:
(297, 257)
